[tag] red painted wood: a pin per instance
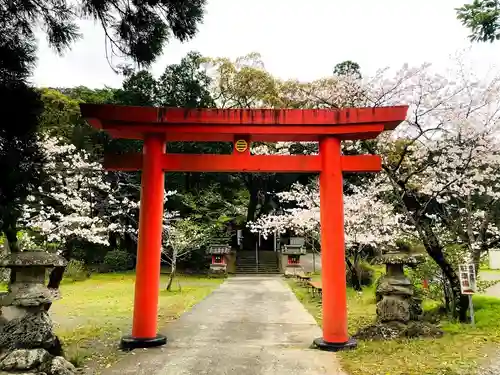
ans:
(361, 163)
(147, 282)
(226, 133)
(391, 116)
(328, 126)
(243, 163)
(332, 244)
(125, 133)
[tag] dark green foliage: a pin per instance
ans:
(21, 161)
(364, 274)
(347, 68)
(185, 84)
(482, 18)
(403, 246)
(138, 89)
(181, 85)
(85, 252)
(117, 261)
(76, 271)
(136, 29)
(83, 94)
(197, 261)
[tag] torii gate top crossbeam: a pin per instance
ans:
(262, 125)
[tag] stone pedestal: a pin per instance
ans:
(27, 340)
(398, 311)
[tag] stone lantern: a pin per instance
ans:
(399, 311)
(28, 343)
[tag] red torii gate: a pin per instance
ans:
(156, 126)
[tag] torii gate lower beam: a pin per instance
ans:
(156, 126)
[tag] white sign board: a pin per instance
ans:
(467, 274)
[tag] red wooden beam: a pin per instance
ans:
(122, 133)
(391, 116)
(243, 163)
(361, 163)
(259, 133)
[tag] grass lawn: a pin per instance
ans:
(459, 352)
(93, 314)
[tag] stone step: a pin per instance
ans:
(254, 262)
(257, 269)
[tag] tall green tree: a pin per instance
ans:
(137, 30)
(347, 68)
(482, 18)
(20, 159)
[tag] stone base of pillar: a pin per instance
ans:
(130, 343)
(321, 344)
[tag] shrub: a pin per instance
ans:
(76, 271)
(117, 261)
(365, 274)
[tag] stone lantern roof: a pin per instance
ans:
(400, 257)
(32, 259)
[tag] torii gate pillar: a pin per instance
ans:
(334, 294)
(159, 125)
(147, 282)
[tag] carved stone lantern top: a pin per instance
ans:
(396, 258)
(400, 257)
(28, 286)
(32, 259)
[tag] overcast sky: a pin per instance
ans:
(297, 39)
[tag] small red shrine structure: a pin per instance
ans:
(156, 126)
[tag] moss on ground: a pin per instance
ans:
(460, 352)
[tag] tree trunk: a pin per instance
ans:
(57, 273)
(356, 284)
(434, 249)
(173, 269)
(11, 236)
(447, 294)
(476, 259)
(55, 278)
(252, 204)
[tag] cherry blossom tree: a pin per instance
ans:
(369, 221)
(76, 201)
(79, 202)
(439, 165)
(180, 238)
